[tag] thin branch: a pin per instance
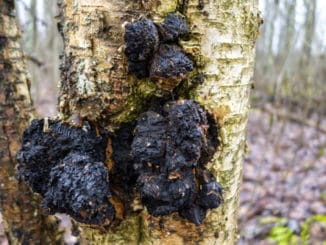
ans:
(33, 59)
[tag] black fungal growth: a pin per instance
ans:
(174, 27)
(170, 149)
(162, 156)
(66, 166)
(145, 39)
(153, 51)
(170, 63)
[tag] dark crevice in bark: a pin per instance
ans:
(183, 6)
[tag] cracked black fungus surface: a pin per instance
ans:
(153, 51)
(145, 39)
(162, 156)
(173, 28)
(170, 62)
(66, 166)
(170, 149)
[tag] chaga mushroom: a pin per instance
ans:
(152, 50)
(194, 213)
(79, 187)
(187, 133)
(162, 195)
(152, 127)
(141, 38)
(173, 28)
(168, 150)
(162, 156)
(170, 65)
(210, 193)
(66, 166)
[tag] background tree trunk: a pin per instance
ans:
(95, 84)
(20, 208)
(310, 19)
(289, 27)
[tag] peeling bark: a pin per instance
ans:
(20, 208)
(96, 85)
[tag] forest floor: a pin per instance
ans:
(284, 177)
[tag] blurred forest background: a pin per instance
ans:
(283, 198)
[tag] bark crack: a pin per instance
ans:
(183, 7)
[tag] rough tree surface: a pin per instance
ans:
(97, 85)
(19, 207)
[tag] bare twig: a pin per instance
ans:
(34, 60)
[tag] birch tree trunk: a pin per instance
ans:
(95, 84)
(20, 208)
